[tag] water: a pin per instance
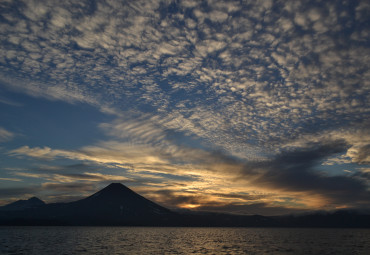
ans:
(143, 240)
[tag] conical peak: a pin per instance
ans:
(116, 188)
(116, 184)
(114, 193)
(24, 204)
(35, 199)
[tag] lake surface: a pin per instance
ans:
(151, 240)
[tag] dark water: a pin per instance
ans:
(142, 240)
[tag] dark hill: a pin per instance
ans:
(20, 205)
(114, 205)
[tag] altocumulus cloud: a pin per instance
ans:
(214, 89)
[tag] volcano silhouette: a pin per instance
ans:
(117, 201)
(115, 204)
(33, 202)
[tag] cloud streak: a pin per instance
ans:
(5, 135)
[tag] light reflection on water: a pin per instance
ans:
(146, 240)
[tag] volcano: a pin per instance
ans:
(117, 202)
(114, 205)
(20, 205)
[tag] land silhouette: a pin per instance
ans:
(117, 205)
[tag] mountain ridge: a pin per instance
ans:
(117, 205)
(23, 204)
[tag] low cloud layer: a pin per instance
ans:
(297, 171)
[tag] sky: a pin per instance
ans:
(250, 107)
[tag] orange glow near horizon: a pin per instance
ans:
(190, 206)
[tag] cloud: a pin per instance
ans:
(223, 202)
(176, 199)
(69, 187)
(255, 81)
(139, 157)
(6, 193)
(252, 209)
(362, 155)
(5, 135)
(39, 89)
(292, 173)
(173, 200)
(267, 80)
(70, 178)
(36, 152)
(49, 192)
(295, 171)
(357, 137)
(9, 102)
(10, 179)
